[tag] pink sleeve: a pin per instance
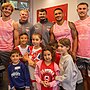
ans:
(37, 72)
(57, 71)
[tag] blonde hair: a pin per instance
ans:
(24, 10)
(7, 4)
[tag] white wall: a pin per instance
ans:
(15, 15)
(37, 4)
(72, 4)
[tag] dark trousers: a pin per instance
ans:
(61, 88)
(79, 86)
(20, 88)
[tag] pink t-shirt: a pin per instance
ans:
(6, 35)
(62, 31)
(83, 28)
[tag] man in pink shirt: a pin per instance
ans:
(64, 29)
(83, 52)
(9, 37)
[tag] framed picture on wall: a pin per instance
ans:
(15, 3)
(1, 2)
(20, 4)
(24, 5)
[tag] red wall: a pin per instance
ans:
(50, 13)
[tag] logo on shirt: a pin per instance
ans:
(15, 74)
(47, 75)
(27, 29)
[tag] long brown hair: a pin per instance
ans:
(66, 42)
(49, 48)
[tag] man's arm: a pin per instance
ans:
(75, 38)
(16, 34)
(52, 37)
(32, 30)
(10, 79)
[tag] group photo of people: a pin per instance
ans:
(35, 57)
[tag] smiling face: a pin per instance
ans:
(47, 56)
(15, 58)
(24, 15)
(36, 40)
(23, 39)
(7, 11)
(62, 49)
(82, 10)
(42, 15)
(58, 15)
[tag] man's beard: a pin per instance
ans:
(59, 20)
(43, 20)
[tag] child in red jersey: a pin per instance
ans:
(34, 55)
(23, 47)
(46, 70)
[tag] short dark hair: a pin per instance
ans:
(23, 34)
(83, 3)
(43, 10)
(58, 9)
(14, 51)
(49, 48)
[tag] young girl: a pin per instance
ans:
(23, 47)
(46, 70)
(34, 55)
(54, 44)
(68, 69)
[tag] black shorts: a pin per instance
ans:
(83, 63)
(4, 58)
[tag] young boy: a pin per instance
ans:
(23, 47)
(17, 72)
